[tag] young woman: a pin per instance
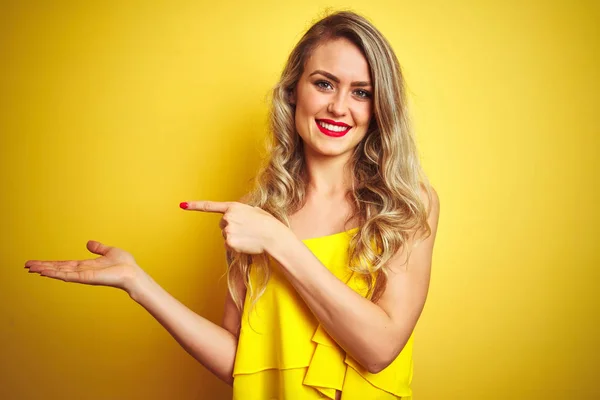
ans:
(330, 255)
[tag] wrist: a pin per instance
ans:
(279, 237)
(136, 283)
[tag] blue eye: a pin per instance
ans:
(323, 85)
(363, 94)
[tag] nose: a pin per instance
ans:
(338, 106)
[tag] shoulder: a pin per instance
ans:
(431, 201)
(421, 238)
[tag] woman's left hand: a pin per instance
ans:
(246, 229)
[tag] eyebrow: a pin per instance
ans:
(337, 80)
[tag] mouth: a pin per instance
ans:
(332, 128)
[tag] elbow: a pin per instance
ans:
(384, 358)
(377, 367)
(377, 362)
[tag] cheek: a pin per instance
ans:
(364, 115)
(310, 101)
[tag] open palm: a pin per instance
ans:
(115, 267)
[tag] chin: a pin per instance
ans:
(329, 151)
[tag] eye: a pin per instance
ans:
(323, 85)
(363, 94)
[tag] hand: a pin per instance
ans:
(115, 267)
(246, 229)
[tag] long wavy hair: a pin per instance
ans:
(388, 184)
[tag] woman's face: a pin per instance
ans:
(333, 99)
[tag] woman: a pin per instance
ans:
(330, 255)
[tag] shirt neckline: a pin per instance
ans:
(351, 230)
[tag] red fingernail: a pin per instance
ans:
(183, 205)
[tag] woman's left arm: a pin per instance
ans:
(373, 334)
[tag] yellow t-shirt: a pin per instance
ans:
(285, 354)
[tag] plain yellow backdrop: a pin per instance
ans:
(111, 113)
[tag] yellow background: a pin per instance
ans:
(113, 113)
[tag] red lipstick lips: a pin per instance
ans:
(332, 133)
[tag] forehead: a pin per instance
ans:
(341, 58)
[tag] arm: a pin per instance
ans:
(373, 334)
(213, 346)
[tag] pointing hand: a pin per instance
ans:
(246, 229)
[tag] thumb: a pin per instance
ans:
(97, 247)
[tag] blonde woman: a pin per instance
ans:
(329, 257)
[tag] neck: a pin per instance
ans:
(327, 175)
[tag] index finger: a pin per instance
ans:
(206, 206)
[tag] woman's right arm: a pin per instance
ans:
(213, 346)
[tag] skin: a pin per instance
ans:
(373, 334)
(321, 97)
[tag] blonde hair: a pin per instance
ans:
(388, 179)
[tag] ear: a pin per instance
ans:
(292, 96)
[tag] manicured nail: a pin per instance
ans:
(183, 205)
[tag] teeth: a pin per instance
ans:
(333, 128)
